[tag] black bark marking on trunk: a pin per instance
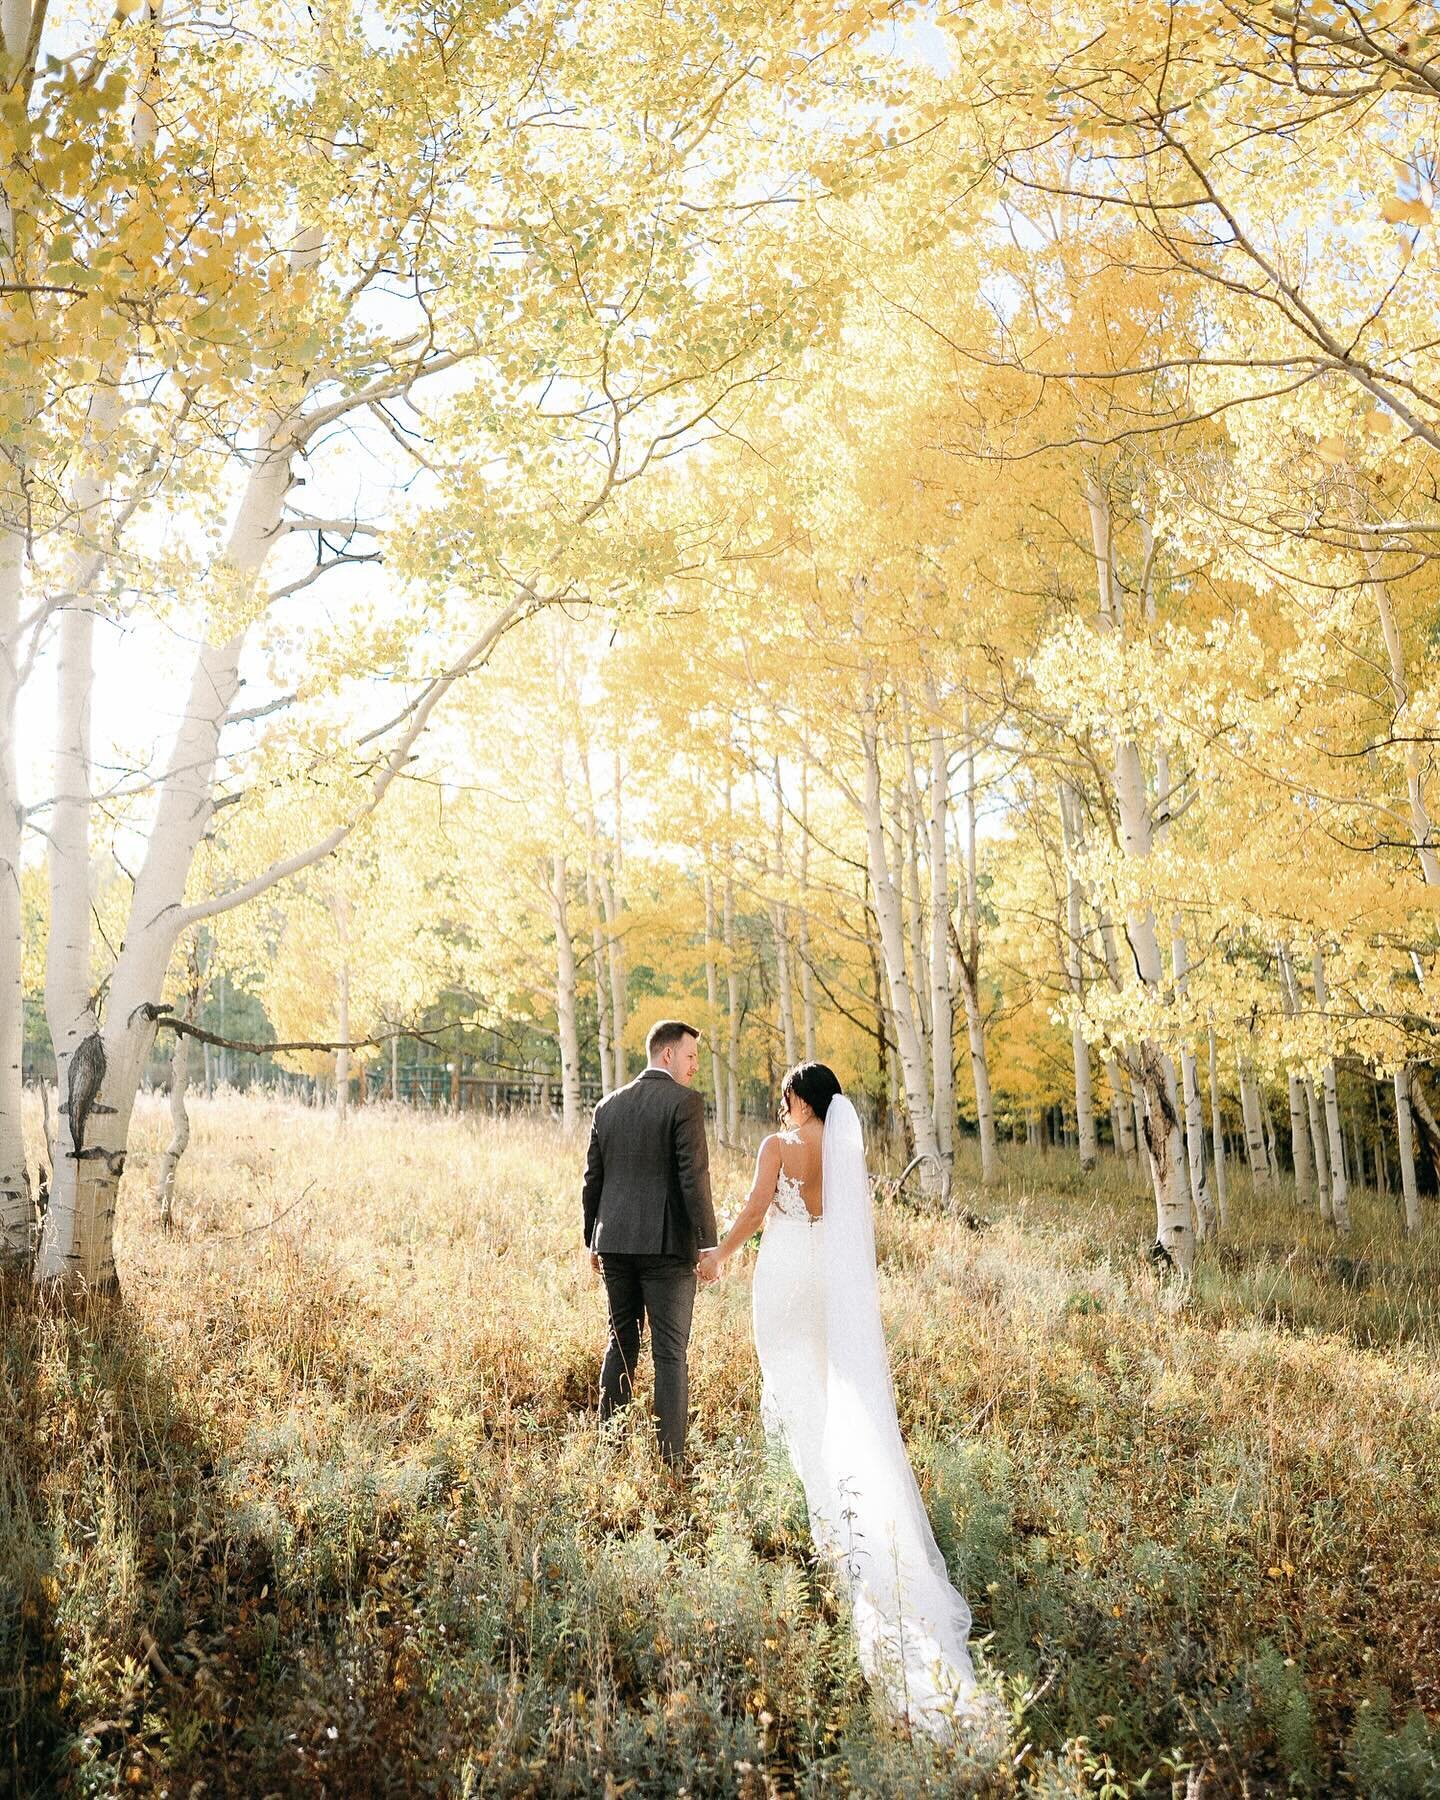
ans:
(87, 1072)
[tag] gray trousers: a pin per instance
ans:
(662, 1289)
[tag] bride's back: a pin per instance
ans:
(802, 1160)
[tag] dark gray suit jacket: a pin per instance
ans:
(647, 1174)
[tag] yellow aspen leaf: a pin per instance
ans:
(1396, 211)
(1331, 450)
(1377, 421)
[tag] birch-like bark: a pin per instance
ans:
(601, 904)
(892, 949)
(1202, 1208)
(807, 974)
(617, 946)
(1254, 1130)
(732, 1014)
(965, 938)
(907, 818)
(1217, 1136)
(179, 1132)
(565, 993)
(784, 987)
(17, 1212)
(1339, 1186)
(1194, 1106)
(1272, 1148)
(1300, 1125)
(780, 930)
(179, 1113)
(598, 969)
(1164, 1137)
(1070, 837)
(712, 1001)
(1320, 1149)
(1405, 1136)
(1300, 1142)
(1131, 1127)
(82, 1198)
(942, 1006)
(16, 1206)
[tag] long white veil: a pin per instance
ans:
(866, 1511)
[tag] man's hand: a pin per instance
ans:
(596, 1265)
(709, 1266)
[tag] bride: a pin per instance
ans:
(827, 1394)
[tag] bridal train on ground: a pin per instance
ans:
(827, 1394)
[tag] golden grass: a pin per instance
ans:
(322, 1508)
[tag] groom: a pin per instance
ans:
(648, 1214)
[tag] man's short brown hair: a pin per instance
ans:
(665, 1032)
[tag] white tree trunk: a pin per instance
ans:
(712, 1002)
(1075, 976)
(1405, 1134)
(16, 1207)
(565, 993)
(1163, 1135)
(1254, 1130)
(892, 949)
(1130, 1123)
(1339, 1186)
(1300, 1142)
(1194, 1107)
(598, 964)
(610, 895)
(602, 907)
(179, 1130)
(1217, 1136)
(967, 963)
(99, 1074)
(1150, 1066)
(1320, 1149)
(1122, 1114)
(780, 931)
(732, 1004)
(1339, 1183)
(942, 1005)
(907, 823)
(807, 974)
(77, 1227)
(786, 992)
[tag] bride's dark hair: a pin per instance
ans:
(815, 1083)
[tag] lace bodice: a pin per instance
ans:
(789, 1202)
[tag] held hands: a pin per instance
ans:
(709, 1266)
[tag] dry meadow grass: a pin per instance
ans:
(321, 1506)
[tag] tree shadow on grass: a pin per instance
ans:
(142, 1630)
(118, 1658)
(161, 1628)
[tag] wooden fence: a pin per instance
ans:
(450, 1087)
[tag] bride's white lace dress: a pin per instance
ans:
(827, 1395)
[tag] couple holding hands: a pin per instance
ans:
(826, 1391)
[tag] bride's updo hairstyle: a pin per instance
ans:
(815, 1083)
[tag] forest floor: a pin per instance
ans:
(321, 1506)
